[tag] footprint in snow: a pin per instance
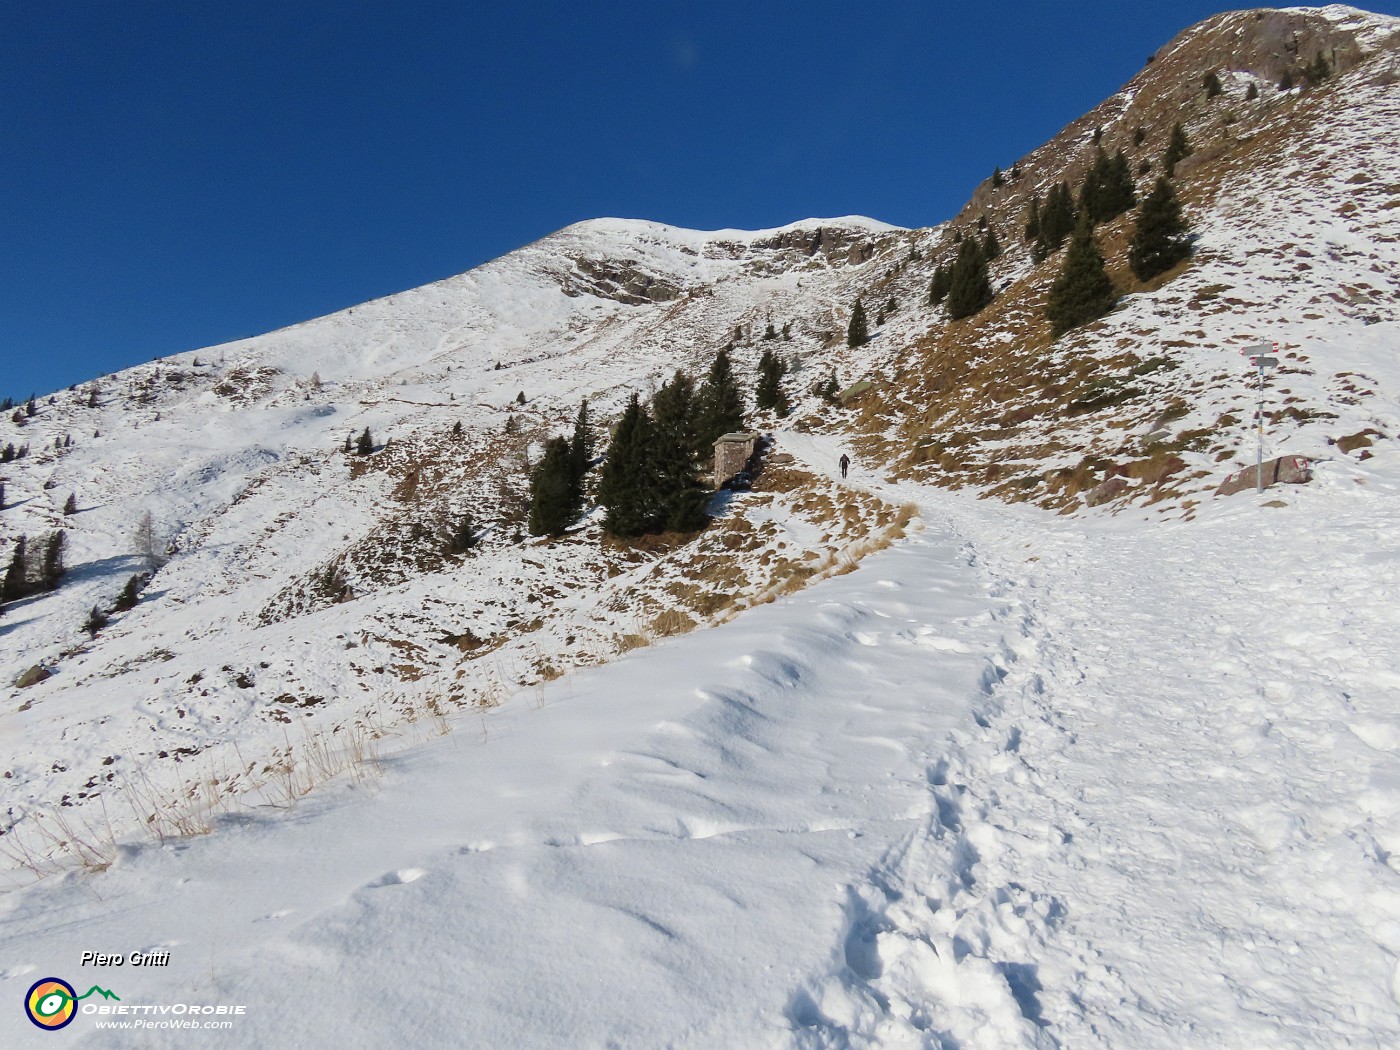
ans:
(402, 877)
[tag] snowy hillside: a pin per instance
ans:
(1018, 737)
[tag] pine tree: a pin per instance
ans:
(769, 392)
(581, 445)
(627, 489)
(1253, 92)
(969, 288)
(96, 620)
(719, 404)
(555, 499)
(998, 179)
(991, 247)
(1139, 136)
(349, 443)
(1107, 191)
(1178, 148)
(1317, 70)
(520, 398)
(463, 536)
(1161, 238)
(16, 583)
(1212, 85)
(938, 287)
(130, 594)
(71, 506)
(1033, 220)
(366, 443)
(146, 542)
(53, 567)
(858, 331)
(1057, 220)
(1082, 292)
(1285, 82)
(676, 458)
(770, 332)
(457, 431)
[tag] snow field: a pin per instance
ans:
(656, 854)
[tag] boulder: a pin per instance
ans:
(1106, 491)
(1285, 470)
(33, 676)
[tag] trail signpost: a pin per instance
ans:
(1264, 357)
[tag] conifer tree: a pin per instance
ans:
(581, 444)
(1285, 82)
(969, 288)
(991, 247)
(627, 489)
(1178, 148)
(1139, 135)
(1317, 70)
(366, 443)
(1082, 292)
(463, 536)
(349, 443)
(676, 458)
(1057, 220)
(1033, 220)
(719, 404)
(96, 620)
(998, 179)
(16, 583)
(938, 285)
(1253, 92)
(858, 331)
(129, 596)
(71, 505)
(1211, 84)
(555, 499)
(1160, 238)
(769, 392)
(53, 568)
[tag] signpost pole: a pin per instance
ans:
(1262, 354)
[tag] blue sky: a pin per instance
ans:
(178, 174)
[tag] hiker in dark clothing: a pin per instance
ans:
(845, 464)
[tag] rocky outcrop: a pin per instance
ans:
(618, 280)
(1286, 470)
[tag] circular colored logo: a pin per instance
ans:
(51, 1003)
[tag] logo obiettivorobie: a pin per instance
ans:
(52, 1003)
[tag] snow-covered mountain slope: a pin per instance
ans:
(1125, 777)
(237, 454)
(1021, 781)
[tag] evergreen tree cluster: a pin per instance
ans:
(1052, 221)
(769, 393)
(1082, 291)
(1107, 191)
(557, 484)
(1178, 149)
(1161, 238)
(969, 287)
(36, 568)
(652, 475)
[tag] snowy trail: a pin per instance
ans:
(657, 854)
(1173, 823)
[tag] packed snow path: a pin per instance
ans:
(657, 852)
(1173, 823)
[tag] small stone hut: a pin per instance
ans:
(732, 454)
